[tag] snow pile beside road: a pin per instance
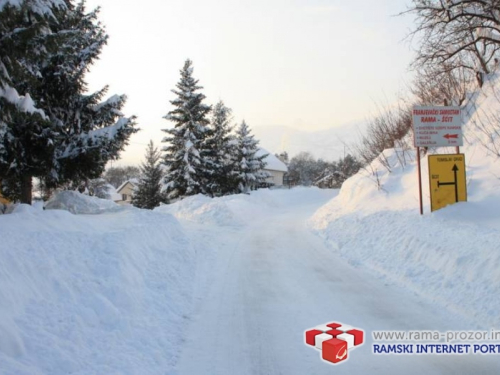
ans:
(78, 204)
(201, 209)
(92, 294)
(241, 209)
(451, 256)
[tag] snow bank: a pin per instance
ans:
(240, 209)
(451, 256)
(201, 209)
(78, 204)
(96, 294)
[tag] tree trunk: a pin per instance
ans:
(26, 188)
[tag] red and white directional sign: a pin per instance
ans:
(437, 126)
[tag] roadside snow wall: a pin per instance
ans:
(451, 256)
(92, 294)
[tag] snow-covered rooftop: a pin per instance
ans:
(273, 163)
(133, 181)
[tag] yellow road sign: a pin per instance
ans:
(447, 180)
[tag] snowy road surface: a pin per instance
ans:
(269, 281)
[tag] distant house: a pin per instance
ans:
(275, 167)
(125, 191)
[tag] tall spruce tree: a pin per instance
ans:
(221, 150)
(70, 136)
(26, 133)
(249, 168)
(92, 131)
(186, 151)
(149, 190)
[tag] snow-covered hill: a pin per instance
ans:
(452, 256)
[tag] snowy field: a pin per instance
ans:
(228, 285)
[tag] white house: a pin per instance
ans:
(125, 191)
(275, 167)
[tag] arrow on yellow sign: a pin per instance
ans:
(444, 171)
(455, 170)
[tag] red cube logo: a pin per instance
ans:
(335, 340)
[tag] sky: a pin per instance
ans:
(306, 64)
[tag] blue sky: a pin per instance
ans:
(308, 64)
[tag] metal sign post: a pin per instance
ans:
(420, 182)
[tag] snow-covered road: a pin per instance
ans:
(265, 283)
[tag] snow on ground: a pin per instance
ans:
(239, 210)
(224, 286)
(269, 279)
(92, 294)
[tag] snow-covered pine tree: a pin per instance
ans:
(70, 135)
(92, 131)
(249, 168)
(149, 190)
(221, 151)
(186, 149)
(26, 149)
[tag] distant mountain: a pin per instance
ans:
(327, 144)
